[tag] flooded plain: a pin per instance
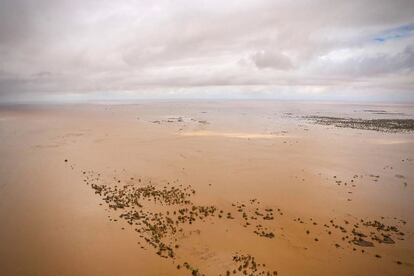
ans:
(207, 187)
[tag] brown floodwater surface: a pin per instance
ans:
(204, 187)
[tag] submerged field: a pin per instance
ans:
(207, 187)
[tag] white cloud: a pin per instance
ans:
(82, 47)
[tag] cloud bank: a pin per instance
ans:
(87, 49)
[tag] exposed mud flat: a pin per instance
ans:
(385, 125)
(218, 188)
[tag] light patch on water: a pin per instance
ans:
(392, 142)
(242, 135)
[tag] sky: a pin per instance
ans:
(82, 50)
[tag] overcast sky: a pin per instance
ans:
(96, 49)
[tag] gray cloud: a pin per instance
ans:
(266, 59)
(60, 47)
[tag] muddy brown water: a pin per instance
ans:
(230, 152)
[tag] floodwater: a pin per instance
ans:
(315, 188)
